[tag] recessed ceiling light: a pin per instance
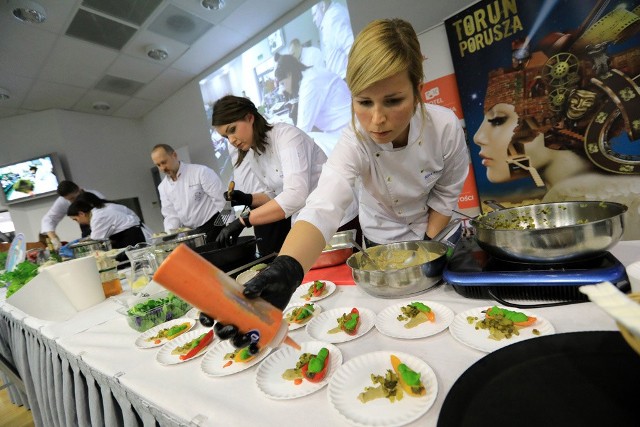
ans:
(4, 94)
(157, 52)
(101, 106)
(213, 4)
(28, 11)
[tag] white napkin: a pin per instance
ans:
(622, 308)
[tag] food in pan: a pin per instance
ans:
(395, 259)
(317, 289)
(310, 367)
(193, 347)
(347, 323)
(301, 315)
(170, 333)
(416, 313)
(502, 323)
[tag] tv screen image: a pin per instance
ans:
(29, 179)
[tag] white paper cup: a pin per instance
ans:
(80, 281)
(633, 272)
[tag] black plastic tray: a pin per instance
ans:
(571, 379)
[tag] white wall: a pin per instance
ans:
(102, 153)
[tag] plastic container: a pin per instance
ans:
(211, 291)
(146, 313)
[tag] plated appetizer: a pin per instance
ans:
(239, 355)
(193, 347)
(502, 323)
(300, 314)
(347, 323)
(310, 367)
(168, 334)
(416, 313)
(395, 382)
(317, 289)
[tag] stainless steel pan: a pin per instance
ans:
(551, 232)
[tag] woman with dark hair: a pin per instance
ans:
(109, 220)
(323, 98)
(284, 160)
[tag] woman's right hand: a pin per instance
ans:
(275, 284)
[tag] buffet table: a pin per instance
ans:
(87, 370)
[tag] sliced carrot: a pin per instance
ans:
(431, 316)
(229, 363)
(530, 321)
(297, 381)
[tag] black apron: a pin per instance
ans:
(129, 237)
(272, 236)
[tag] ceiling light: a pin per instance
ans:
(212, 4)
(157, 52)
(28, 11)
(4, 94)
(101, 106)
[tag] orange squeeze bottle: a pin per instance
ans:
(194, 279)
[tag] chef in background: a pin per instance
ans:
(191, 195)
(336, 36)
(109, 220)
(67, 191)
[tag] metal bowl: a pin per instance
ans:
(337, 251)
(402, 282)
(193, 240)
(87, 247)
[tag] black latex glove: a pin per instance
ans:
(229, 235)
(238, 198)
(275, 284)
(426, 237)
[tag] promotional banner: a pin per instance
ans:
(551, 99)
(440, 88)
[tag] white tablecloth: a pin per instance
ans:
(98, 376)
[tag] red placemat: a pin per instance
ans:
(339, 274)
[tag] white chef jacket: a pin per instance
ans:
(244, 178)
(58, 211)
(398, 185)
(311, 56)
(114, 218)
(324, 101)
(192, 199)
(289, 167)
(336, 38)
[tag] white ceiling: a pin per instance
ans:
(43, 68)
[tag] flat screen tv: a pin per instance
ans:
(30, 179)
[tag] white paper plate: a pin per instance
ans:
(294, 326)
(351, 379)
(318, 328)
(479, 339)
(269, 374)
(164, 356)
(388, 324)
(213, 362)
(299, 295)
(142, 342)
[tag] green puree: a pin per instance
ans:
(350, 324)
(317, 363)
(514, 316)
(420, 306)
(412, 378)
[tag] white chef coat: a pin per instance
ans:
(398, 185)
(311, 56)
(324, 101)
(114, 218)
(289, 167)
(192, 199)
(336, 38)
(58, 211)
(244, 178)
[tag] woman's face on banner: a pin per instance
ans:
(494, 136)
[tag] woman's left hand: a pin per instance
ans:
(229, 235)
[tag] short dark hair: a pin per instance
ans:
(67, 187)
(166, 147)
(288, 65)
(85, 202)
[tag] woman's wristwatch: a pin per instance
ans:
(245, 219)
